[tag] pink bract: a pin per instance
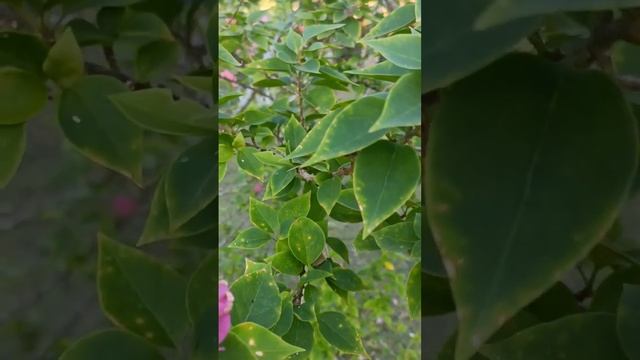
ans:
(225, 303)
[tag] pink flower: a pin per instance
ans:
(264, 18)
(258, 188)
(123, 207)
(225, 303)
(228, 75)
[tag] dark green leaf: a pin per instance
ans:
(385, 70)
(199, 288)
(265, 345)
(286, 316)
(64, 63)
(414, 291)
(286, 263)
(23, 51)
(256, 299)
(328, 193)
(22, 95)
(339, 332)
(339, 247)
(628, 324)
(13, 140)
(398, 237)
(398, 19)
(403, 107)
(263, 216)
(314, 30)
(300, 334)
(293, 133)
(348, 280)
(402, 50)
(306, 240)
(314, 137)
(109, 345)
(251, 238)
(156, 59)
(292, 210)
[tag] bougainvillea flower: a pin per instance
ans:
(123, 206)
(225, 303)
(228, 75)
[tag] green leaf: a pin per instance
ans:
(301, 335)
(22, 51)
(293, 41)
(286, 316)
(256, 299)
(13, 139)
(385, 176)
(141, 294)
(333, 74)
(64, 63)
(306, 240)
(403, 107)
(528, 112)
(398, 19)
(385, 70)
(628, 324)
(414, 291)
(225, 55)
(449, 24)
(263, 216)
(155, 109)
(314, 30)
(293, 133)
(293, 209)
(192, 182)
(402, 50)
(257, 117)
(285, 54)
(249, 163)
(339, 247)
(313, 275)
(265, 345)
(156, 59)
(439, 300)
(321, 98)
(251, 238)
(280, 179)
(585, 336)
(310, 66)
(329, 192)
(310, 143)
(234, 348)
(88, 34)
(111, 344)
(348, 280)
(398, 237)
(267, 83)
(339, 332)
(199, 291)
(96, 127)
(349, 131)
(502, 11)
(22, 95)
(418, 9)
(286, 263)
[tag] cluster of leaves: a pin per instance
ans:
(531, 157)
(328, 120)
(150, 76)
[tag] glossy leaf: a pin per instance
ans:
(293, 133)
(234, 348)
(339, 247)
(339, 332)
(328, 193)
(192, 182)
(286, 263)
(385, 70)
(398, 19)
(584, 336)
(306, 240)
(225, 55)
(503, 258)
(312, 140)
(265, 345)
(155, 109)
(280, 179)
(402, 50)
(301, 335)
(348, 280)
(349, 131)
(13, 140)
(321, 98)
(292, 210)
(385, 176)
(64, 63)
(251, 238)
(141, 294)
(403, 106)
(263, 216)
(286, 316)
(111, 344)
(628, 324)
(96, 127)
(22, 95)
(293, 41)
(256, 299)
(249, 163)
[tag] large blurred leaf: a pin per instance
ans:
(13, 140)
(156, 110)
(449, 24)
(192, 182)
(64, 63)
(584, 336)
(97, 129)
(70, 6)
(501, 11)
(511, 221)
(201, 287)
(385, 176)
(141, 294)
(628, 324)
(109, 345)
(22, 95)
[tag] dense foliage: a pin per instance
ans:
(532, 155)
(319, 104)
(125, 76)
